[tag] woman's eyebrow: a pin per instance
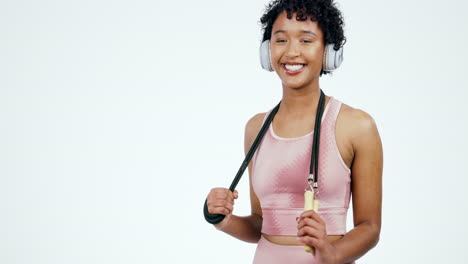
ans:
(279, 31)
(302, 31)
(308, 32)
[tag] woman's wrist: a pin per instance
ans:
(223, 224)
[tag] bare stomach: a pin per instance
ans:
(291, 240)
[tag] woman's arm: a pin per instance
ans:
(247, 228)
(366, 186)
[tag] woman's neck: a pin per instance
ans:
(299, 103)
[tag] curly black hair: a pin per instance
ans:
(330, 19)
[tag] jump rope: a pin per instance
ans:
(309, 202)
(332, 59)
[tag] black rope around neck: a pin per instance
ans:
(217, 218)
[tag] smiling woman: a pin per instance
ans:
(303, 40)
(291, 38)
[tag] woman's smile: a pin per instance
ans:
(293, 68)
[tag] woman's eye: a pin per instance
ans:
(280, 40)
(307, 41)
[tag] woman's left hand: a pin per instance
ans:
(312, 231)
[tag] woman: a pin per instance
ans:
(350, 152)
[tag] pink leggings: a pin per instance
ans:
(270, 253)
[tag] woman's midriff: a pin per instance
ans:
(292, 240)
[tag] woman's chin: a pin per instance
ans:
(294, 85)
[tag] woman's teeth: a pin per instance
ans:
(294, 67)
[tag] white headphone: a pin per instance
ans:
(331, 58)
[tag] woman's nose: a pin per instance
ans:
(293, 50)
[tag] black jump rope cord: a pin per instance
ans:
(316, 142)
(217, 218)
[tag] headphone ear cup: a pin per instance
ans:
(332, 58)
(265, 56)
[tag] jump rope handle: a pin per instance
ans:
(310, 204)
(217, 218)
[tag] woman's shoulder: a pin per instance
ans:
(254, 123)
(355, 114)
(356, 121)
(252, 128)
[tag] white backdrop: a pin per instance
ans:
(118, 117)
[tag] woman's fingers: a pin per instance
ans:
(223, 193)
(317, 243)
(221, 201)
(219, 210)
(311, 214)
(219, 207)
(311, 229)
(309, 222)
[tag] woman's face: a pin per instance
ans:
(296, 50)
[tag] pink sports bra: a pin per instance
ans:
(279, 177)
